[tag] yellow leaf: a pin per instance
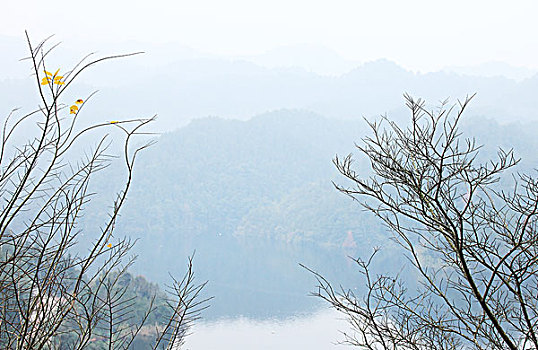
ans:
(45, 81)
(79, 101)
(57, 72)
(57, 80)
(114, 122)
(48, 73)
(109, 245)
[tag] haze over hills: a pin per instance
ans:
(245, 178)
(252, 183)
(254, 199)
(180, 84)
(494, 69)
(256, 195)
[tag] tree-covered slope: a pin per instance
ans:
(255, 198)
(269, 177)
(244, 178)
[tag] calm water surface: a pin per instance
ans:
(260, 293)
(317, 331)
(255, 278)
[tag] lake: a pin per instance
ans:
(261, 295)
(320, 330)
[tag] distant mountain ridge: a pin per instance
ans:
(179, 90)
(494, 69)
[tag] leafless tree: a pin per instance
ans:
(53, 293)
(473, 244)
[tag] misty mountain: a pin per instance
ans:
(266, 175)
(256, 178)
(256, 195)
(314, 58)
(494, 69)
(253, 199)
(235, 89)
(194, 86)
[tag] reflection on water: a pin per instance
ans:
(261, 294)
(321, 330)
(256, 278)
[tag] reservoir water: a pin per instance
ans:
(261, 295)
(319, 331)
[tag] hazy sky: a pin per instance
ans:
(418, 34)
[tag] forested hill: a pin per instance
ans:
(257, 195)
(250, 197)
(267, 177)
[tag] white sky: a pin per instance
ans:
(418, 34)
